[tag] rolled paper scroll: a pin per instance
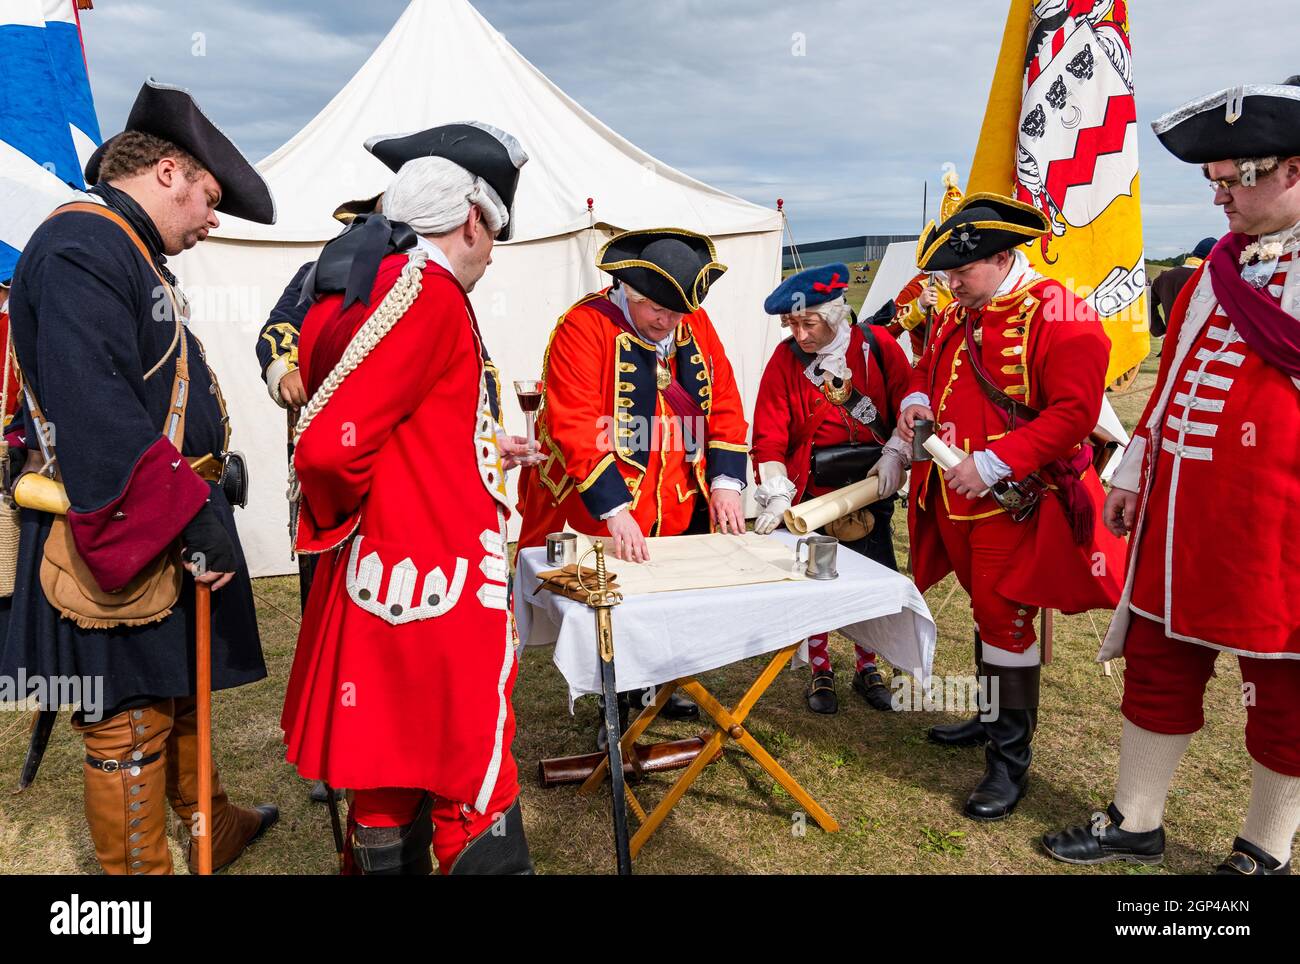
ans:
(947, 457)
(825, 509)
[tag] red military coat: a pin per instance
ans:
(1046, 348)
(788, 401)
(609, 436)
(1217, 452)
(406, 658)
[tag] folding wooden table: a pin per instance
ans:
(657, 637)
(730, 726)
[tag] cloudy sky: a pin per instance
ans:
(842, 107)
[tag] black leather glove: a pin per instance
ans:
(206, 535)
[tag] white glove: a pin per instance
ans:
(893, 462)
(771, 515)
(773, 496)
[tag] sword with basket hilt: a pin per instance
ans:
(602, 601)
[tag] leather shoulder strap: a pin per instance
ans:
(103, 211)
(1015, 411)
(174, 424)
(873, 344)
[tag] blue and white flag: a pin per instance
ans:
(48, 128)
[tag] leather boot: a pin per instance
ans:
(500, 849)
(126, 802)
(968, 732)
(403, 851)
(233, 828)
(1007, 754)
(624, 711)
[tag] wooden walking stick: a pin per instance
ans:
(203, 695)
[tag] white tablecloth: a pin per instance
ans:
(665, 636)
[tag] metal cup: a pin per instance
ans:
(822, 551)
(922, 429)
(561, 548)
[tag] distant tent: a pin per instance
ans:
(47, 117)
(420, 75)
(897, 268)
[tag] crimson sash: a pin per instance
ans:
(1269, 331)
(683, 405)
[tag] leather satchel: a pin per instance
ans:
(835, 466)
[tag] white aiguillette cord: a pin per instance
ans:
(399, 298)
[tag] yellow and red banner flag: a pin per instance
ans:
(1060, 133)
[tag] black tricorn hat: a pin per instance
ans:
(349, 211)
(1255, 120)
(483, 150)
(171, 113)
(672, 267)
(983, 225)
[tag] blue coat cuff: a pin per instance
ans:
(604, 489)
(725, 459)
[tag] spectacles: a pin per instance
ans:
(1230, 184)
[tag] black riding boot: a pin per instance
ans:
(624, 710)
(968, 732)
(1010, 733)
(500, 849)
(396, 851)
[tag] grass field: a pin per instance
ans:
(897, 797)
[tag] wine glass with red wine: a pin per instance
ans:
(529, 393)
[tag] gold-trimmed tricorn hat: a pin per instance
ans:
(672, 267)
(983, 225)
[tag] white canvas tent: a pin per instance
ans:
(419, 76)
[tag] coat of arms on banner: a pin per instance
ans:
(1078, 136)
(1060, 133)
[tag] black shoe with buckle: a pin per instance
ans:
(821, 694)
(870, 685)
(678, 707)
(1248, 860)
(1102, 841)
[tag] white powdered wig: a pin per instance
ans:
(834, 312)
(433, 195)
